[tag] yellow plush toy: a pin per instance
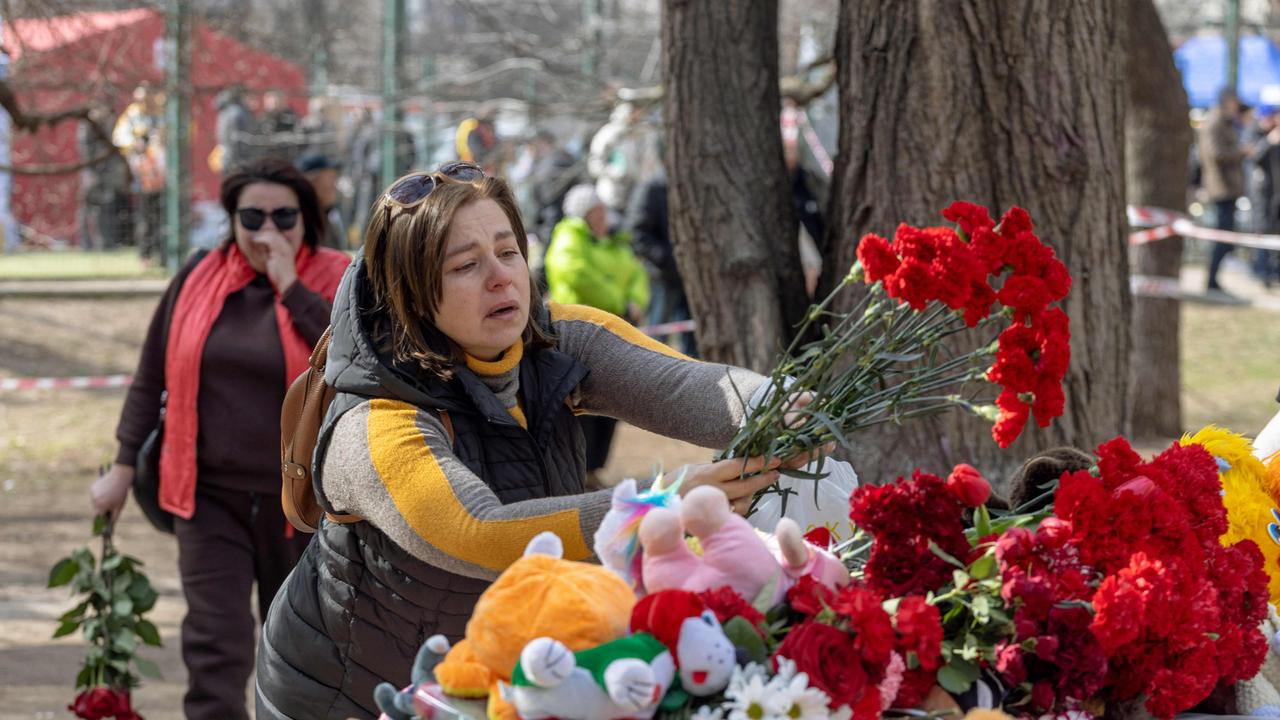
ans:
(540, 595)
(1250, 499)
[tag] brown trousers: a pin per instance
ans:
(235, 538)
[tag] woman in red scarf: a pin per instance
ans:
(244, 321)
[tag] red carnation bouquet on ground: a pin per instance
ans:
(1122, 591)
(885, 359)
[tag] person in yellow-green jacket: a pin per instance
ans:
(588, 265)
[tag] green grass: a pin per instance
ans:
(1230, 367)
(76, 265)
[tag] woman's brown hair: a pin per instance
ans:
(404, 260)
(281, 172)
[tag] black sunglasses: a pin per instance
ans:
(413, 189)
(282, 218)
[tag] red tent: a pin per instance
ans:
(66, 61)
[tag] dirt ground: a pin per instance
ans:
(51, 442)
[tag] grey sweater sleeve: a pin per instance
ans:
(392, 464)
(638, 379)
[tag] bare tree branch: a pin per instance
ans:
(57, 169)
(31, 122)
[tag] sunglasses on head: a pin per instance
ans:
(413, 189)
(282, 218)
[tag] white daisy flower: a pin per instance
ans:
(707, 712)
(796, 699)
(749, 699)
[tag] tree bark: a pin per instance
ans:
(1000, 102)
(1157, 141)
(732, 222)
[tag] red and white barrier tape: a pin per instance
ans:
(671, 328)
(1161, 224)
(79, 383)
(112, 381)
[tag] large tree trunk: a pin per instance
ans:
(1000, 102)
(1157, 139)
(732, 222)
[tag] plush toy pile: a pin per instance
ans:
(1139, 581)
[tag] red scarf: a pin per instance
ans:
(218, 275)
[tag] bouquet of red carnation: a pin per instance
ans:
(860, 654)
(883, 361)
(1122, 591)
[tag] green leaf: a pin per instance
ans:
(984, 567)
(124, 641)
(122, 606)
(982, 521)
(66, 627)
(745, 638)
(148, 632)
(957, 676)
(959, 577)
(75, 613)
(100, 524)
(899, 357)
(112, 562)
(63, 572)
(146, 668)
(84, 677)
(937, 550)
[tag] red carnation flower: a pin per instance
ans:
(877, 258)
(919, 628)
(726, 603)
(810, 597)
(970, 217)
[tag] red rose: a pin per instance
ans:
(968, 485)
(1009, 662)
(1140, 487)
(97, 703)
(1053, 533)
(828, 655)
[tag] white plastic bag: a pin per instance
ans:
(1269, 439)
(828, 507)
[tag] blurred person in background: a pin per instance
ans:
(139, 134)
(1222, 158)
(234, 130)
(477, 141)
(242, 328)
(322, 173)
(1264, 192)
(648, 221)
(105, 220)
(588, 265)
(616, 156)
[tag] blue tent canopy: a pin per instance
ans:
(1202, 60)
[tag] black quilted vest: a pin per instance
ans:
(357, 607)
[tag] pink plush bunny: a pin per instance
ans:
(733, 553)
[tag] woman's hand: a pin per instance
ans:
(108, 492)
(282, 266)
(739, 478)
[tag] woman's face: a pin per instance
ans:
(484, 306)
(267, 197)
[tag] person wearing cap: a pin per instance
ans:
(586, 265)
(322, 172)
(1222, 159)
